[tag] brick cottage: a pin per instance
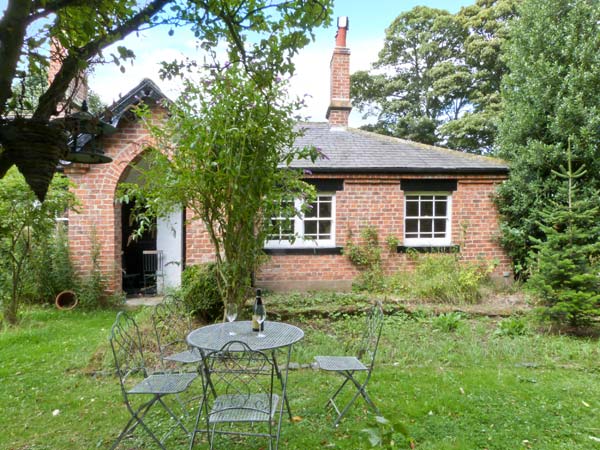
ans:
(428, 198)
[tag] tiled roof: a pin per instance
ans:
(353, 150)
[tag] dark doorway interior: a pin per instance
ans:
(131, 251)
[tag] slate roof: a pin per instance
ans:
(353, 150)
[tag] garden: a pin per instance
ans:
(454, 380)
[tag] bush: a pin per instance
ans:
(200, 292)
(512, 326)
(52, 269)
(442, 278)
(447, 322)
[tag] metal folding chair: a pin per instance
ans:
(126, 344)
(172, 323)
(152, 262)
(350, 366)
(241, 394)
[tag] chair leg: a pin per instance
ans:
(361, 390)
(137, 417)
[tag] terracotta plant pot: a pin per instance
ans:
(66, 300)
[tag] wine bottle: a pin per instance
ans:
(257, 301)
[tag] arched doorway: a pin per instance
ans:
(153, 261)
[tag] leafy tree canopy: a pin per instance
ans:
(550, 96)
(437, 78)
(260, 33)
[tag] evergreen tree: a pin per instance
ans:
(565, 263)
(549, 94)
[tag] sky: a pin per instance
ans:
(368, 20)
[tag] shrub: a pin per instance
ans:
(442, 278)
(200, 292)
(447, 322)
(53, 270)
(512, 326)
(366, 256)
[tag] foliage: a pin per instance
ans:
(200, 293)
(512, 326)
(222, 153)
(384, 433)
(442, 278)
(52, 269)
(447, 322)
(438, 75)
(24, 222)
(565, 266)
(261, 34)
(92, 291)
(366, 255)
(550, 95)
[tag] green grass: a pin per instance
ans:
(470, 388)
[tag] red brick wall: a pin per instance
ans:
(95, 187)
(378, 201)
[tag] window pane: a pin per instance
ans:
(426, 226)
(439, 225)
(310, 227)
(426, 208)
(325, 229)
(324, 209)
(311, 210)
(440, 208)
(412, 209)
(412, 226)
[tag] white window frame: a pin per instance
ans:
(299, 221)
(429, 242)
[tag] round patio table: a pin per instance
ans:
(214, 337)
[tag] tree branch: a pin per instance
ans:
(13, 27)
(77, 58)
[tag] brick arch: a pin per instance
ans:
(95, 187)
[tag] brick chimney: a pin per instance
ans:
(339, 105)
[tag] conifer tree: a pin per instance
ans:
(565, 263)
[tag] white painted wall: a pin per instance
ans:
(169, 240)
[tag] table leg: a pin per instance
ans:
(279, 376)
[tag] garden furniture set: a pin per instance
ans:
(243, 378)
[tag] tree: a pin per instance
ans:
(24, 221)
(437, 78)
(422, 79)
(565, 263)
(81, 30)
(486, 23)
(223, 153)
(550, 95)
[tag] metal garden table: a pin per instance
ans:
(278, 335)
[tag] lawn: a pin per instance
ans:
(467, 388)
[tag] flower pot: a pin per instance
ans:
(66, 300)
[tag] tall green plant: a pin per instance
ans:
(24, 221)
(224, 153)
(549, 95)
(566, 262)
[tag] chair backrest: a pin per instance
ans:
(126, 345)
(172, 323)
(152, 261)
(239, 373)
(370, 340)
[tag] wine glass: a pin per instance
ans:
(231, 312)
(261, 315)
